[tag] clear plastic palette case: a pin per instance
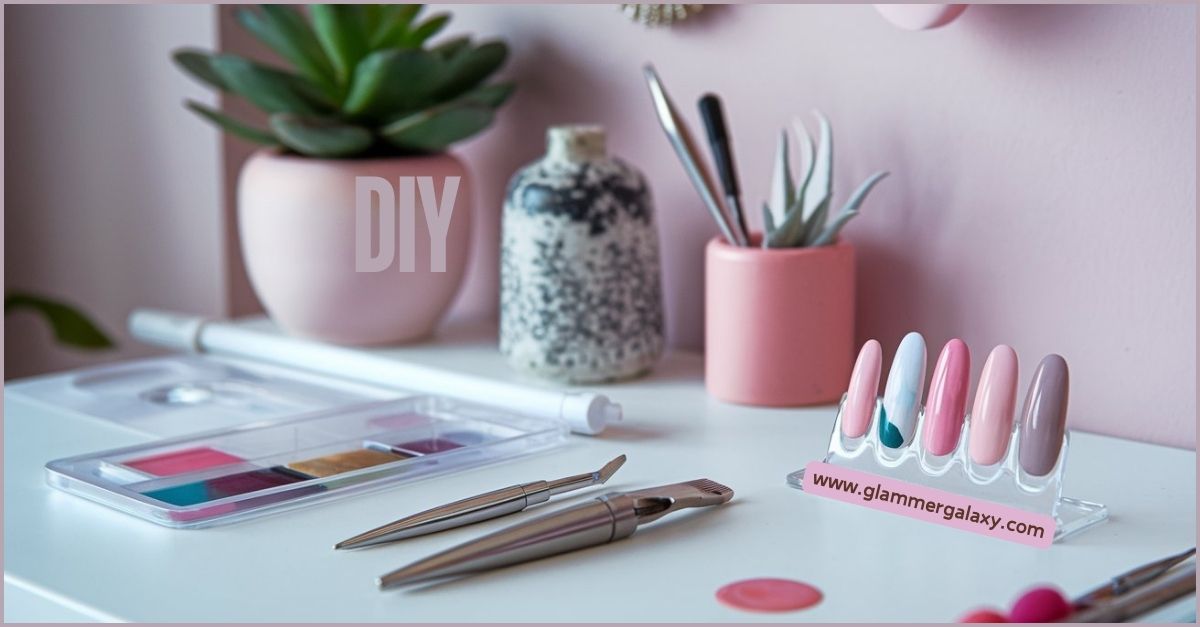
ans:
(243, 440)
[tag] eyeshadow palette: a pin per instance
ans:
(266, 466)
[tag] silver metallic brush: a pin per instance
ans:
(479, 508)
(611, 517)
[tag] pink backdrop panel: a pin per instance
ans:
(1043, 171)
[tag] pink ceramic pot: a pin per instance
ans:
(779, 323)
(297, 221)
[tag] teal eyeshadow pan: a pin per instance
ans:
(198, 492)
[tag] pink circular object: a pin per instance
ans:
(984, 615)
(769, 595)
(1040, 605)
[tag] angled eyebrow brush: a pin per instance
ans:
(481, 507)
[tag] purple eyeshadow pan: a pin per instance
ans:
(428, 446)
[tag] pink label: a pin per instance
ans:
(929, 504)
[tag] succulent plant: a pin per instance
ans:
(362, 81)
(797, 214)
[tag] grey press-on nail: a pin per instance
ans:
(1044, 419)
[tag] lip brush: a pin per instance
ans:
(479, 508)
(685, 148)
(713, 115)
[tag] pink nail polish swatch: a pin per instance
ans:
(947, 400)
(863, 390)
(995, 401)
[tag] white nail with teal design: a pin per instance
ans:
(905, 387)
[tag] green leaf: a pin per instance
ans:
(393, 81)
(267, 88)
(806, 153)
(849, 211)
(472, 67)
(70, 326)
(452, 47)
(232, 126)
(425, 30)
(815, 222)
(490, 95)
(434, 129)
(286, 32)
(320, 137)
(822, 175)
(199, 64)
(393, 27)
(782, 191)
(768, 225)
(341, 30)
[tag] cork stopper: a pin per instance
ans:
(575, 142)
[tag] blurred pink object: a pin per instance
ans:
(779, 323)
(920, 16)
(297, 222)
(863, 390)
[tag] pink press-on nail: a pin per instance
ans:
(947, 400)
(863, 390)
(995, 401)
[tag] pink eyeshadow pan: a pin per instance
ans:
(179, 462)
(769, 595)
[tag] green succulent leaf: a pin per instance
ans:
(320, 137)
(830, 232)
(423, 31)
(782, 191)
(341, 30)
(199, 65)
(821, 185)
(392, 30)
(286, 32)
(471, 67)
(269, 89)
(768, 225)
(452, 47)
(393, 81)
(806, 153)
(69, 325)
(232, 126)
(814, 224)
(436, 128)
(789, 233)
(490, 95)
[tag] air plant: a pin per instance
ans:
(362, 81)
(797, 214)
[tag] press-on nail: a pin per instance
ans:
(992, 413)
(863, 389)
(1044, 420)
(947, 398)
(906, 381)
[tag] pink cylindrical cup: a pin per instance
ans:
(779, 323)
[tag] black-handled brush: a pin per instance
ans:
(718, 140)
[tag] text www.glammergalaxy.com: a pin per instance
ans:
(929, 504)
(948, 512)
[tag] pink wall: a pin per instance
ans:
(1043, 159)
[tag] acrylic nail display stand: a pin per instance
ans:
(1005, 482)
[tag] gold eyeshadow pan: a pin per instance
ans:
(348, 461)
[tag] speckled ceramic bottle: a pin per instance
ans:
(580, 284)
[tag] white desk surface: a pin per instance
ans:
(66, 557)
